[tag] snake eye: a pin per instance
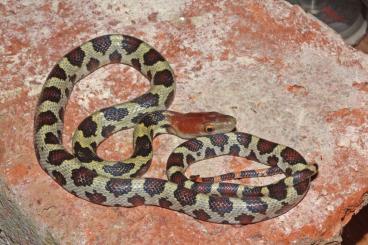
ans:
(209, 129)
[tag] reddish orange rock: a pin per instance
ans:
(282, 74)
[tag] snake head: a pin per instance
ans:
(194, 124)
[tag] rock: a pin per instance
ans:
(285, 76)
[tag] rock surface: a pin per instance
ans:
(284, 75)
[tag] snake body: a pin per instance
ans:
(118, 183)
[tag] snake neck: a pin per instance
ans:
(161, 122)
(152, 124)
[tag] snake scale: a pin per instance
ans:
(119, 183)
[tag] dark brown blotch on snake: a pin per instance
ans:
(119, 187)
(153, 186)
(147, 100)
(57, 157)
(101, 44)
(265, 146)
(93, 64)
(76, 57)
(115, 57)
(220, 205)
(136, 200)
(118, 168)
(95, 197)
(59, 177)
(88, 127)
(130, 44)
(151, 57)
(164, 78)
(57, 72)
(83, 176)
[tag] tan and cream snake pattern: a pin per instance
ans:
(119, 183)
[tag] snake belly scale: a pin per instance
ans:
(118, 183)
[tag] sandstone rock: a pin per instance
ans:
(284, 75)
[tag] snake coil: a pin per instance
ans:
(117, 183)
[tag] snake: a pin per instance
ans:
(208, 134)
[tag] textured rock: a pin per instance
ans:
(285, 76)
(15, 227)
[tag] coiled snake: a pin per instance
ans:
(118, 183)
